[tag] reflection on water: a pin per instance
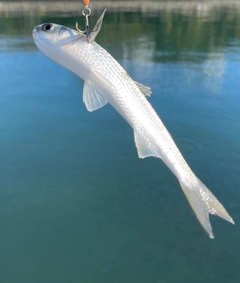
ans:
(76, 203)
(34, 7)
(158, 34)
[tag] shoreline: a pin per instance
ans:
(75, 7)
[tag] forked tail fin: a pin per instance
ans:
(204, 202)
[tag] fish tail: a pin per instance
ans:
(203, 202)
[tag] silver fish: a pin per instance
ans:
(106, 81)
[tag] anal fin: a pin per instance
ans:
(92, 97)
(144, 148)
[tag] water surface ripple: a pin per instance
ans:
(76, 203)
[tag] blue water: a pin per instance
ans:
(76, 203)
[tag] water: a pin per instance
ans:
(76, 203)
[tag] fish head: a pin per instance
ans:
(52, 38)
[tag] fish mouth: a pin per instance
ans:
(36, 38)
(39, 44)
(36, 28)
(35, 34)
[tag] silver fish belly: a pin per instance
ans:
(105, 81)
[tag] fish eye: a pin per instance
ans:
(47, 27)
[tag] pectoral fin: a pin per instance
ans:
(144, 148)
(144, 89)
(92, 97)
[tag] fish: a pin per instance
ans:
(106, 81)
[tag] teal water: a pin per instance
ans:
(76, 203)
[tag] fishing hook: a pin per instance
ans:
(86, 13)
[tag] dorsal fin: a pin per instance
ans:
(144, 89)
(96, 28)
